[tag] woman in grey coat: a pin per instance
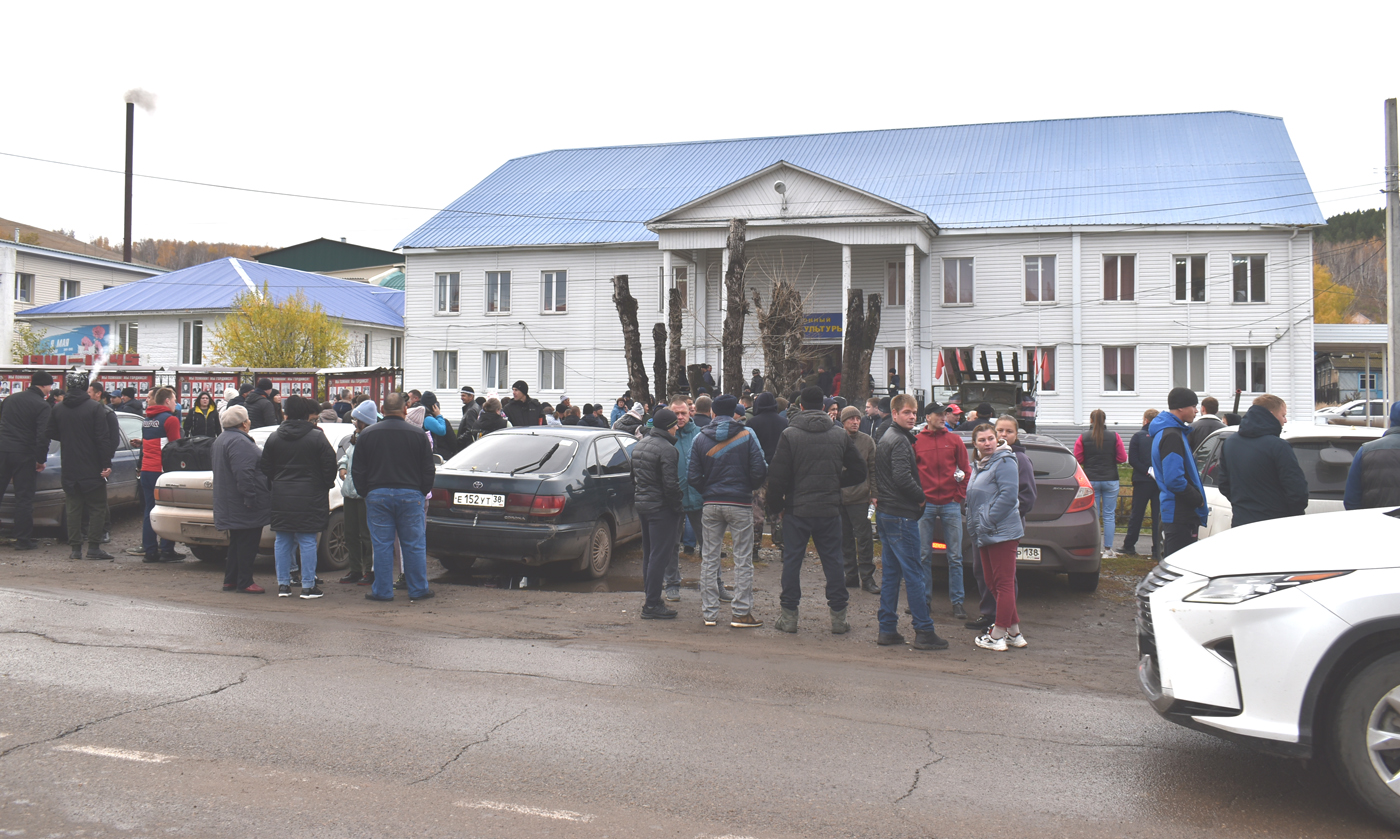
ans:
(993, 514)
(242, 498)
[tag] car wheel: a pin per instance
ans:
(1365, 737)
(334, 553)
(1085, 581)
(597, 554)
(457, 564)
(209, 553)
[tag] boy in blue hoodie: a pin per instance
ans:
(1182, 498)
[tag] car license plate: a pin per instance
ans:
(200, 531)
(472, 499)
(1028, 554)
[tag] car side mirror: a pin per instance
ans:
(437, 460)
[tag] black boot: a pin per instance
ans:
(928, 641)
(76, 553)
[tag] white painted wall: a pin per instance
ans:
(49, 269)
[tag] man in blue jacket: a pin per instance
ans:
(1374, 479)
(726, 466)
(1182, 499)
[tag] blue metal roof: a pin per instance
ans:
(1221, 167)
(214, 285)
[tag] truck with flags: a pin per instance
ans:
(1004, 383)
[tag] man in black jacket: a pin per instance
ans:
(1144, 489)
(80, 424)
(300, 464)
(466, 428)
(261, 411)
(24, 449)
(393, 471)
(657, 494)
(521, 410)
(767, 423)
(814, 460)
(1374, 477)
(756, 383)
(1259, 472)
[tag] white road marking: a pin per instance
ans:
(559, 815)
(120, 754)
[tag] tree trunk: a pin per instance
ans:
(867, 349)
(732, 339)
(780, 334)
(854, 384)
(658, 365)
(677, 361)
(631, 338)
(694, 378)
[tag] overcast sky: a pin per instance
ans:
(412, 103)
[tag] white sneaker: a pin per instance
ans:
(1018, 640)
(1110, 553)
(987, 642)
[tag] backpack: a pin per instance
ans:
(188, 454)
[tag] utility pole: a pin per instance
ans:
(1392, 251)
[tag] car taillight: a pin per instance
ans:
(441, 498)
(519, 503)
(547, 505)
(1084, 497)
(165, 494)
(939, 546)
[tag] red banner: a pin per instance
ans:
(292, 384)
(189, 385)
(114, 379)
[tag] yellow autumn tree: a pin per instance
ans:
(1331, 300)
(293, 332)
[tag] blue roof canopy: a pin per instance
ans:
(1211, 168)
(214, 285)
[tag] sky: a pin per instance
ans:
(412, 103)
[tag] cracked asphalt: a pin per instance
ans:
(139, 700)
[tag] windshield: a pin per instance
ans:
(1325, 480)
(507, 453)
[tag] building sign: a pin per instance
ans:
(292, 384)
(189, 385)
(81, 340)
(821, 327)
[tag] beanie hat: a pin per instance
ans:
(428, 401)
(850, 412)
(365, 412)
(884, 404)
(985, 410)
(1181, 397)
(415, 415)
(242, 389)
(725, 406)
(41, 379)
(636, 410)
(766, 401)
(827, 403)
(664, 419)
(264, 383)
(522, 386)
(233, 417)
(811, 398)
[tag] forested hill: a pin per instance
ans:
(1358, 226)
(1351, 251)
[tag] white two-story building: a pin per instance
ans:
(1119, 256)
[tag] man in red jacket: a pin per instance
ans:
(161, 425)
(943, 472)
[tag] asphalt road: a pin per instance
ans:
(135, 707)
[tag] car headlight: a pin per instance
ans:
(1240, 589)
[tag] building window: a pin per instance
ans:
(1367, 381)
(68, 289)
(493, 369)
(1041, 362)
(1040, 279)
(191, 342)
(24, 288)
(1189, 368)
(127, 337)
(1251, 365)
(894, 283)
(1249, 278)
(1191, 274)
(1119, 276)
(395, 352)
(551, 369)
(498, 291)
(445, 369)
(957, 281)
(682, 275)
(556, 292)
(449, 293)
(1119, 369)
(894, 360)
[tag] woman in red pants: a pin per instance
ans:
(994, 516)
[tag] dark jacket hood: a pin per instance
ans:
(295, 429)
(722, 429)
(813, 421)
(1259, 422)
(254, 396)
(73, 398)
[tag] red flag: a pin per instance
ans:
(1044, 367)
(938, 373)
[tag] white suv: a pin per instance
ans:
(1284, 635)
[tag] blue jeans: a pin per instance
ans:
(951, 514)
(284, 546)
(899, 543)
(397, 512)
(148, 533)
(1106, 496)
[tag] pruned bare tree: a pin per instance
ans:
(732, 338)
(695, 379)
(631, 338)
(658, 364)
(677, 360)
(858, 340)
(867, 350)
(780, 331)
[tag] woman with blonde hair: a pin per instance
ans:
(1100, 451)
(994, 519)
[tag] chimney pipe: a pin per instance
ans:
(130, 134)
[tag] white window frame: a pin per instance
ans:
(64, 286)
(959, 263)
(192, 341)
(1248, 261)
(1190, 276)
(680, 278)
(24, 288)
(1103, 360)
(395, 352)
(1198, 386)
(1054, 367)
(1118, 273)
(550, 284)
(495, 369)
(901, 367)
(552, 378)
(901, 285)
(1040, 264)
(494, 295)
(1251, 355)
(1362, 379)
(444, 369)
(129, 336)
(448, 292)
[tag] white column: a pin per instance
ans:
(667, 280)
(1077, 315)
(845, 281)
(702, 308)
(925, 333)
(911, 302)
(9, 258)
